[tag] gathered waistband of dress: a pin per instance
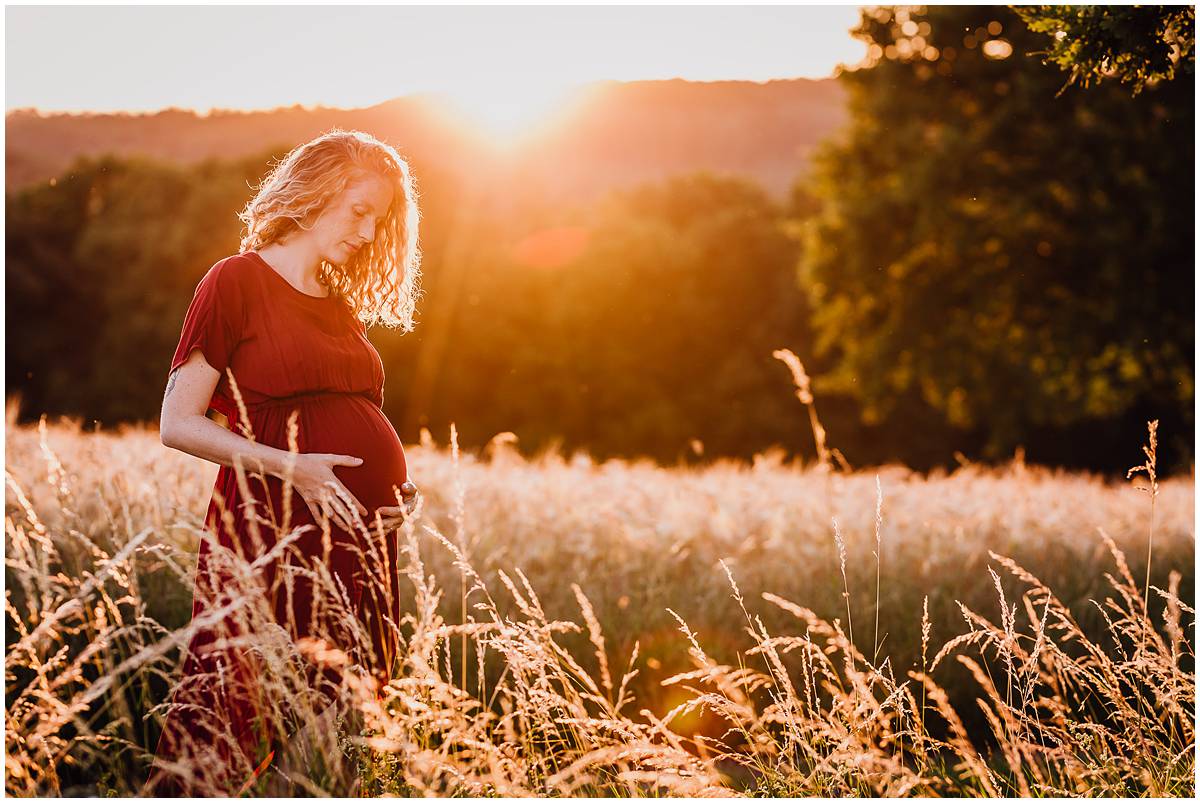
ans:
(282, 401)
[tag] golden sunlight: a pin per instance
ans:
(551, 248)
(507, 112)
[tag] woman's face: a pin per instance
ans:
(349, 221)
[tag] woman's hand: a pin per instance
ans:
(322, 491)
(395, 515)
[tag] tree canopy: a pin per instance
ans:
(983, 263)
(1136, 45)
(1015, 258)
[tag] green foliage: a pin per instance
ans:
(667, 319)
(657, 330)
(1018, 261)
(101, 267)
(656, 326)
(1137, 45)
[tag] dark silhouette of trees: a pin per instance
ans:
(979, 254)
(1017, 261)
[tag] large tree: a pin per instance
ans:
(1018, 258)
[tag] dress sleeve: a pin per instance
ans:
(214, 320)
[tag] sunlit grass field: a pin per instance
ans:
(575, 628)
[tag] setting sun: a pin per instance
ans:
(507, 112)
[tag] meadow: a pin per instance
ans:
(623, 628)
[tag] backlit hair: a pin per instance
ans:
(380, 282)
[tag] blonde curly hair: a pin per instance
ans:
(380, 282)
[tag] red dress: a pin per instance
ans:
(287, 351)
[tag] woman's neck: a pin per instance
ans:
(297, 264)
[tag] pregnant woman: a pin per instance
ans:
(330, 247)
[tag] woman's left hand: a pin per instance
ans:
(395, 515)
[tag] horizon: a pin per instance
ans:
(505, 67)
(222, 110)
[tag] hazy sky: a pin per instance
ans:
(151, 57)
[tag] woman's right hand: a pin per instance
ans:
(322, 491)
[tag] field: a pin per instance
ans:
(576, 628)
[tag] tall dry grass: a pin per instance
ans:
(573, 628)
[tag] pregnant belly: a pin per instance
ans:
(350, 424)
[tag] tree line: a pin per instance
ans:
(980, 260)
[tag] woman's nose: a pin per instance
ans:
(367, 232)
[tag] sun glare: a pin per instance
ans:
(506, 114)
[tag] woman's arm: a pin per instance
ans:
(183, 426)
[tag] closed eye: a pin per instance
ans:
(363, 213)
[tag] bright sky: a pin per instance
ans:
(144, 58)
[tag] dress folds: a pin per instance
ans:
(289, 353)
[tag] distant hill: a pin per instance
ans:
(614, 134)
